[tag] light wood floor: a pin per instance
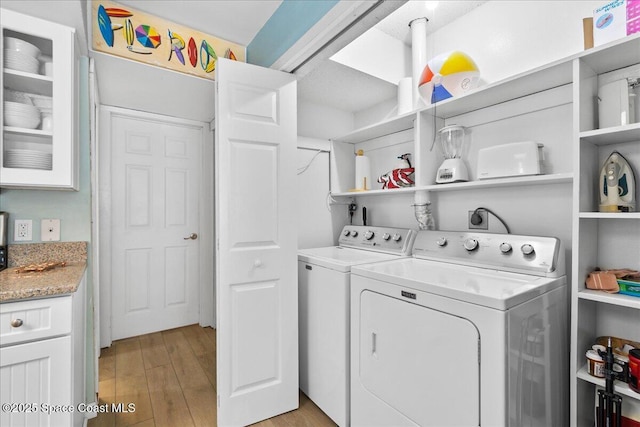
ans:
(171, 378)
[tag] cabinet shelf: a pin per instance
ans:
(612, 135)
(610, 215)
(558, 178)
(28, 82)
(403, 190)
(614, 299)
(619, 386)
(386, 127)
(23, 131)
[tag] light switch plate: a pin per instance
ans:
(50, 230)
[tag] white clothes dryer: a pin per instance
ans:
(323, 307)
(470, 331)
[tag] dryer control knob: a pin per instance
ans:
(346, 233)
(354, 233)
(397, 237)
(505, 248)
(527, 249)
(369, 235)
(386, 236)
(442, 241)
(470, 244)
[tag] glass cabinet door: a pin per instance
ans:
(39, 70)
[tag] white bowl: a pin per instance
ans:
(20, 62)
(18, 107)
(19, 45)
(17, 96)
(21, 115)
(21, 121)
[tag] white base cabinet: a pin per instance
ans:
(34, 380)
(42, 361)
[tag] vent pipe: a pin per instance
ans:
(418, 55)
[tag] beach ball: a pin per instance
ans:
(446, 75)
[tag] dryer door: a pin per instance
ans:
(422, 362)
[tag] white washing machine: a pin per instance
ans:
(470, 331)
(323, 307)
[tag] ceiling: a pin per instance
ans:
(326, 82)
(345, 88)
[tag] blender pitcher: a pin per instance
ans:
(453, 169)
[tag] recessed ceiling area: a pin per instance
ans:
(355, 88)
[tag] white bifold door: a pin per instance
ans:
(256, 251)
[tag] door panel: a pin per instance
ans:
(256, 286)
(422, 362)
(155, 183)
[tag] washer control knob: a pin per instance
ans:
(470, 244)
(396, 237)
(386, 236)
(368, 235)
(442, 241)
(354, 233)
(346, 233)
(505, 248)
(527, 249)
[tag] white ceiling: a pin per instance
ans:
(444, 12)
(344, 88)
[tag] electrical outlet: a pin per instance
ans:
(50, 230)
(478, 220)
(23, 230)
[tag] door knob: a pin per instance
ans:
(192, 236)
(16, 323)
(257, 263)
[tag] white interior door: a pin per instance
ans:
(256, 278)
(155, 184)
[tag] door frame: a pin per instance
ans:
(206, 286)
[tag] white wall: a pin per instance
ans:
(506, 38)
(318, 222)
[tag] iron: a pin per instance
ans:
(617, 185)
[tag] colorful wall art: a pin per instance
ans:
(132, 34)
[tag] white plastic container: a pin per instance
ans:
(363, 172)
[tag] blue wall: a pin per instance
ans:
(73, 208)
(289, 22)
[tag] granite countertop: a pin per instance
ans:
(58, 281)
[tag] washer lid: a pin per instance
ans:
(490, 288)
(340, 258)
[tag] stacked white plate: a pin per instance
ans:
(20, 62)
(21, 55)
(27, 159)
(21, 115)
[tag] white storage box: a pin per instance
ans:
(514, 159)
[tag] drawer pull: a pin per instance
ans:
(16, 323)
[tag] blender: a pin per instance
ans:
(453, 169)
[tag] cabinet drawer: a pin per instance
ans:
(42, 318)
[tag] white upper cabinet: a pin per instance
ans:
(39, 138)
